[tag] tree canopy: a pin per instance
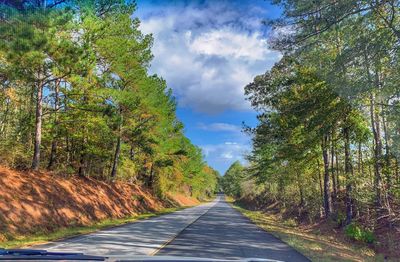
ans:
(326, 143)
(76, 98)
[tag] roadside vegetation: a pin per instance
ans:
(326, 147)
(82, 118)
(314, 243)
(76, 98)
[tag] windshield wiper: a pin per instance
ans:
(32, 254)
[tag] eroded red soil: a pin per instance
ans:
(41, 201)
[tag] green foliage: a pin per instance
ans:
(340, 218)
(233, 179)
(356, 232)
(102, 114)
(290, 223)
(16, 158)
(326, 144)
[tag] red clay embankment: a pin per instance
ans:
(41, 202)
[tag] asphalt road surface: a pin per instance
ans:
(213, 230)
(224, 233)
(144, 237)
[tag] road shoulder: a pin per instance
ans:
(78, 231)
(315, 247)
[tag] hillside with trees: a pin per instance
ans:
(76, 98)
(327, 141)
(91, 133)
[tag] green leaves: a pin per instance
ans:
(328, 112)
(102, 114)
(354, 231)
(233, 179)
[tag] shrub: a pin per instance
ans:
(340, 218)
(19, 157)
(356, 232)
(290, 222)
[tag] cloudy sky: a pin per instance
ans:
(208, 51)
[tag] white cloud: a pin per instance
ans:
(227, 155)
(228, 43)
(208, 53)
(231, 151)
(219, 127)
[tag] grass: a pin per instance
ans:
(43, 237)
(316, 246)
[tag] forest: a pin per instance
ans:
(327, 141)
(77, 98)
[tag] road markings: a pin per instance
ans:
(183, 229)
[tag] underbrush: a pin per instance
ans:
(357, 232)
(380, 235)
(320, 242)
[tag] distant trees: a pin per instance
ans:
(328, 127)
(76, 97)
(233, 179)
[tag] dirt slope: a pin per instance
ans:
(32, 202)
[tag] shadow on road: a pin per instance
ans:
(225, 233)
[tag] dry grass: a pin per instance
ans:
(316, 246)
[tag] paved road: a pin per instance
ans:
(213, 230)
(140, 238)
(224, 233)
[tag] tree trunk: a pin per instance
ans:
(53, 151)
(118, 147)
(3, 129)
(116, 158)
(360, 160)
(387, 153)
(337, 172)
(82, 160)
(82, 163)
(327, 194)
(375, 123)
(68, 142)
(151, 177)
(301, 190)
(333, 170)
(320, 182)
(38, 128)
(348, 172)
(68, 148)
(371, 176)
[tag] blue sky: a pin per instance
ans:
(207, 51)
